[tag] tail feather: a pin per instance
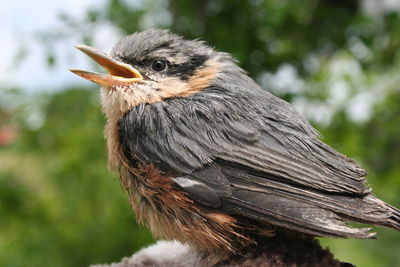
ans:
(389, 215)
(306, 210)
(292, 214)
(394, 218)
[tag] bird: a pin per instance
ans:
(213, 160)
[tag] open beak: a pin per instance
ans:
(120, 73)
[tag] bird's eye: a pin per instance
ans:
(159, 65)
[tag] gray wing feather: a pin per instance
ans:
(254, 156)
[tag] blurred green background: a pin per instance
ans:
(337, 61)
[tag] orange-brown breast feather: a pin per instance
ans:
(171, 214)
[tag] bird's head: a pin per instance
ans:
(152, 66)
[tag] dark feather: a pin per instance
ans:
(199, 191)
(184, 134)
(259, 156)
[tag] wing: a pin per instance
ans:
(256, 158)
(272, 201)
(181, 135)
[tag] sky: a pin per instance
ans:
(20, 20)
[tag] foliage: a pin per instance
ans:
(62, 206)
(59, 204)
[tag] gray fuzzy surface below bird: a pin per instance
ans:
(228, 145)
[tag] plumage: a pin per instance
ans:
(210, 158)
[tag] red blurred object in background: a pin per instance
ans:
(8, 134)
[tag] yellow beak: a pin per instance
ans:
(120, 73)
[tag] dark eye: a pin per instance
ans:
(159, 65)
